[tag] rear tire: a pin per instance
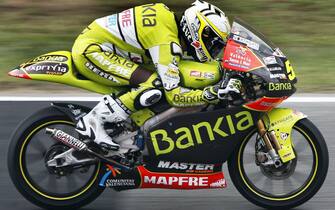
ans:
(254, 195)
(18, 170)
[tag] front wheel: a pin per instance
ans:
(290, 185)
(50, 188)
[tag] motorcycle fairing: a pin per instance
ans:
(212, 134)
(58, 67)
(281, 121)
(264, 104)
(248, 51)
(142, 177)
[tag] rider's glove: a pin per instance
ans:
(233, 86)
(212, 94)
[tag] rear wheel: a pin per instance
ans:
(291, 184)
(47, 187)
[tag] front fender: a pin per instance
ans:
(281, 121)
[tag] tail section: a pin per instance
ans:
(54, 64)
(58, 67)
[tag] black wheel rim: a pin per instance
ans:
(292, 184)
(39, 177)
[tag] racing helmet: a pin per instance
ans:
(204, 28)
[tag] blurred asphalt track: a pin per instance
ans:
(322, 114)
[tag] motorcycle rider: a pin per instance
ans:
(112, 49)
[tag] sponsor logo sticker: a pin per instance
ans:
(126, 18)
(244, 61)
(195, 74)
(111, 21)
(47, 68)
(97, 71)
(218, 184)
(280, 86)
(278, 76)
(199, 133)
(270, 60)
(186, 99)
(149, 14)
(115, 63)
(209, 75)
(248, 42)
(283, 120)
(112, 178)
(275, 69)
(284, 136)
(119, 182)
(52, 58)
(179, 180)
(205, 75)
(188, 167)
(240, 58)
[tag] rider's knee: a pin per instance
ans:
(147, 98)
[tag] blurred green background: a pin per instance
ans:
(304, 29)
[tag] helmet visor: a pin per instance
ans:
(213, 42)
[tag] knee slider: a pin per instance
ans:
(150, 97)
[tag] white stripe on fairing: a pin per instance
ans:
(97, 98)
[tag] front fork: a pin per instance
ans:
(271, 143)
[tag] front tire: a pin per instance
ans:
(27, 176)
(258, 195)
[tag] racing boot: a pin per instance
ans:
(91, 126)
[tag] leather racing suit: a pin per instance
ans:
(112, 50)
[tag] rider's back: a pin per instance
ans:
(133, 31)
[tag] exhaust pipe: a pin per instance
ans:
(66, 139)
(76, 144)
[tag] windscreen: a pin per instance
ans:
(248, 50)
(244, 33)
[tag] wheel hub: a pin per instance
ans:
(51, 153)
(280, 173)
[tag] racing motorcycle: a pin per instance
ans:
(276, 157)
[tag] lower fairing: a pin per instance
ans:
(142, 177)
(212, 134)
